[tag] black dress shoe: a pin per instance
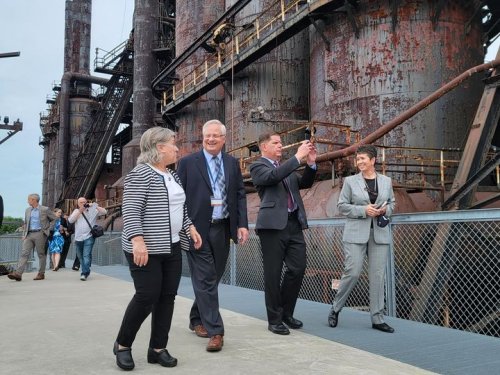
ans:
(292, 322)
(279, 329)
(124, 358)
(162, 357)
(333, 318)
(384, 327)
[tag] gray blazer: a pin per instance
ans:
(46, 216)
(352, 202)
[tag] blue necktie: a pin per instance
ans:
(220, 182)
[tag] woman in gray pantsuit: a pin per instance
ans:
(367, 200)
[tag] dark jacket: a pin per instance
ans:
(193, 173)
(273, 212)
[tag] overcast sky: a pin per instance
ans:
(36, 29)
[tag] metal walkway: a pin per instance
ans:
(246, 44)
(78, 321)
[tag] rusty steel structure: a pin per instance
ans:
(252, 107)
(143, 73)
(378, 68)
(13, 128)
(405, 75)
(192, 19)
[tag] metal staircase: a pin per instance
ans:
(99, 138)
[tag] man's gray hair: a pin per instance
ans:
(35, 196)
(149, 140)
(214, 122)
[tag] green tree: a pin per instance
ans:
(10, 224)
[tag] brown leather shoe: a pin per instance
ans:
(199, 330)
(215, 343)
(15, 276)
(40, 276)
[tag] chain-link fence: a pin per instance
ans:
(445, 268)
(10, 249)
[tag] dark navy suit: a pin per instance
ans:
(280, 233)
(207, 264)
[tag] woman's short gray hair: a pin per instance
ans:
(149, 140)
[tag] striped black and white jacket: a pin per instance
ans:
(146, 211)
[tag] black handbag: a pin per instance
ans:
(382, 221)
(96, 231)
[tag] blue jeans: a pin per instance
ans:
(84, 253)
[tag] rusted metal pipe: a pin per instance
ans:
(409, 113)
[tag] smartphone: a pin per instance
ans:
(382, 205)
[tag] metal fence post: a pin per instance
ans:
(232, 274)
(390, 281)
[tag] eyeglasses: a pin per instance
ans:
(214, 136)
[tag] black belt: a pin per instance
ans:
(218, 221)
(34, 230)
(293, 213)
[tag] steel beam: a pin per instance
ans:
(170, 70)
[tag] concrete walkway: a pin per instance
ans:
(62, 325)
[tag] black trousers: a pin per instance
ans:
(282, 246)
(207, 266)
(64, 253)
(156, 286)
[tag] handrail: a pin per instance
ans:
(238, 53)
(109, 55)
(410, 112)
(422, 166)
(169, 70)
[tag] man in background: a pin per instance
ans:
(36, 229)
(84, 218)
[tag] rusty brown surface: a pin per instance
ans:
(192, 19)
(76, 60)
(412, 111)
(77, 36)
(145, 21)
(320, 202)
(271, 90)
(365, 82)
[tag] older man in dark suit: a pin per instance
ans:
(280, 222)
(216, 203)
(37, 220)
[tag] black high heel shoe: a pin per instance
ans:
(162, 357)
(333, 318)
(124, 358)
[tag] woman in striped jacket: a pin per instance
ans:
(156, 228)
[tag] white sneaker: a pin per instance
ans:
(83, 278)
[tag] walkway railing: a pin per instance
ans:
(463, 281)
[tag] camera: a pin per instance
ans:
(86, 205)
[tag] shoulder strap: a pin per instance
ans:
(85, 217)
